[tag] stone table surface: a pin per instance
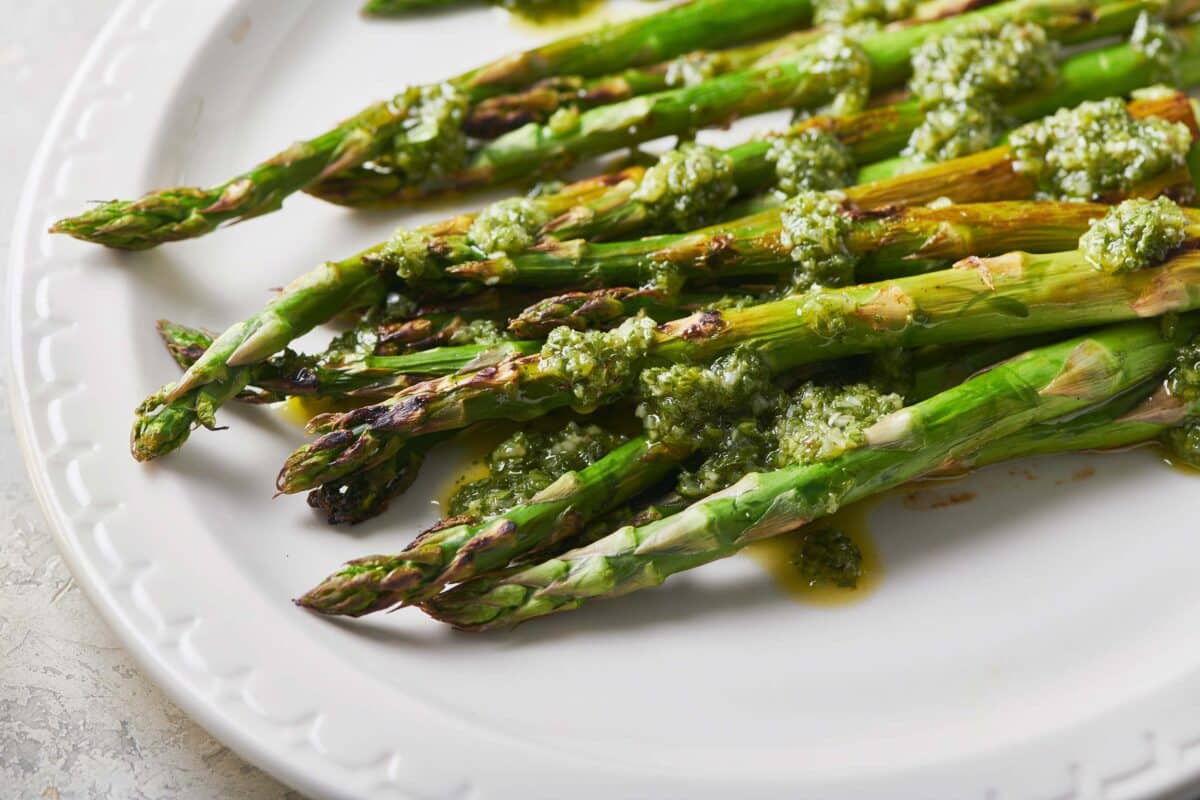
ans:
(77, 717)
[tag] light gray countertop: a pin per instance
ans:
(77, 717)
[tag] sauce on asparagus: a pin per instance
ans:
(471, 450)
(1134, 235)
(432, 144)
(811, 160)
(688, 186)
(507, 226)
(845, 71)
(1158, 45)
(814, 231)
(961, 77)
(596, 363)
(1085, 152)
(984, 59)
(527, 462)
(689, 405)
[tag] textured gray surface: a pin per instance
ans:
(77, 718)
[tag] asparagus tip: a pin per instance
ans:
(353, 591)
(487, 271)
(113, 223)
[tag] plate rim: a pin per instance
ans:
(187, 696)
(18, 390)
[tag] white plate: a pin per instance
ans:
(1037, 642)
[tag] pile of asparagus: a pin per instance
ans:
(971, 245)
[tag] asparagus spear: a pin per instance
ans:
(407, 324)
(496, 115)
(341, 375)
(493, 116)
(366, 376)
(885, 244)
(185, 345)
(644, 40)
(461, 317)
(1131, 418)
(981, 299)
(1056, 381)
(1124, 421)
(166, 418)
(366, 585)
(799, 81)
(364, 495)
(428, 118)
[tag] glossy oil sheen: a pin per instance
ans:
(776, 556)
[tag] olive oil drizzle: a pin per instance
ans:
(776, 555)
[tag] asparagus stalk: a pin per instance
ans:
(440, 322)
(788, 83)
(425, 332)
(1144, 415)
(185, 345)
(496, 115)
(1125, 421)
(447, 321)
(445, 324)
(889, 243)
(1056, 381)
(365, 376)
(365, 585)
(364, 495)
(343, 375)
(187, 212)
(644, 40)
(982, 299)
